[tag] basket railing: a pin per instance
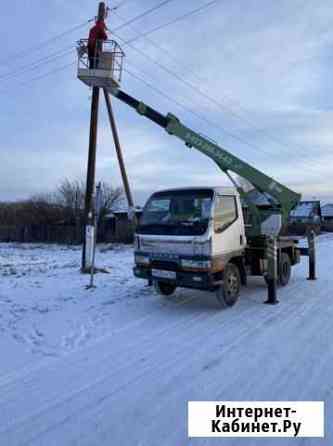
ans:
(106, 55)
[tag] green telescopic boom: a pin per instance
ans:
(282, 199)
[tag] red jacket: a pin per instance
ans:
(97, 32)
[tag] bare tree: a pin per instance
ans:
(112, 198)
(66, 205)
(71, 195)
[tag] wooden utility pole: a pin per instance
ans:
(89, 211)
(120, 157)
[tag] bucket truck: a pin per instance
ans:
(210, 238)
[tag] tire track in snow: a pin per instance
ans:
(158, 369)
(179, 328)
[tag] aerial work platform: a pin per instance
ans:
(102, 69)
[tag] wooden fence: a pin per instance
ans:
(327, 226)
(108, 232)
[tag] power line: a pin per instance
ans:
(120, 5)
(222, 106)
(49, 73)
(163, 67)
(9, 59)
(181, 105)
(143, 14)
(189, 110)
(53, 57)
(48, 59)
(197, 115)
(36, 64)
(188, 84)
(42, 76)
(177, 19)
(135, 76)
(28, 67)
(152, 42)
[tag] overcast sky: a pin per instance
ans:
(261, 77)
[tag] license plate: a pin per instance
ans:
(159, 274)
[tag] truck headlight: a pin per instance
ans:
(196, 264)
(203, 248)
(141, 259)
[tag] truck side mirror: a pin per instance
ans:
(219, 228)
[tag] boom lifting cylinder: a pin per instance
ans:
(272, 270)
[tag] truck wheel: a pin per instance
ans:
(228, 293)
(284, 269)
(164, 289)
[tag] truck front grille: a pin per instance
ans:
(164, 265)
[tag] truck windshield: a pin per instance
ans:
(183, 212)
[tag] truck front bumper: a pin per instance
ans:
(184, 279)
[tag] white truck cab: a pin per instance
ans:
(186, 238)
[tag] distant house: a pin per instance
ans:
(119, 228)
(307, 212)
(327, 217)
(327, 213)
(306, 216)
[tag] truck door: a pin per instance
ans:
(228, 225)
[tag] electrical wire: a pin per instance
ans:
(120, 5)
(177, 19)
(143, 14)
(36, 64)
(197, 115)
(178, 77)
(49, 73)
(42, 76)
(10, 59)
(195, 88)
(189, 110)
(48, 59)
(28, 67)
(223, 106)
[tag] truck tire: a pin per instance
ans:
(228, 293)
(284, 269)
(164, 289)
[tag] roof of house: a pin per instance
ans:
(304, 209)
(224, 190)
(122, 211)
(327, 210)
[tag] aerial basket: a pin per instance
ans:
(104, 67)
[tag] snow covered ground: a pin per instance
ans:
(117, 365)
